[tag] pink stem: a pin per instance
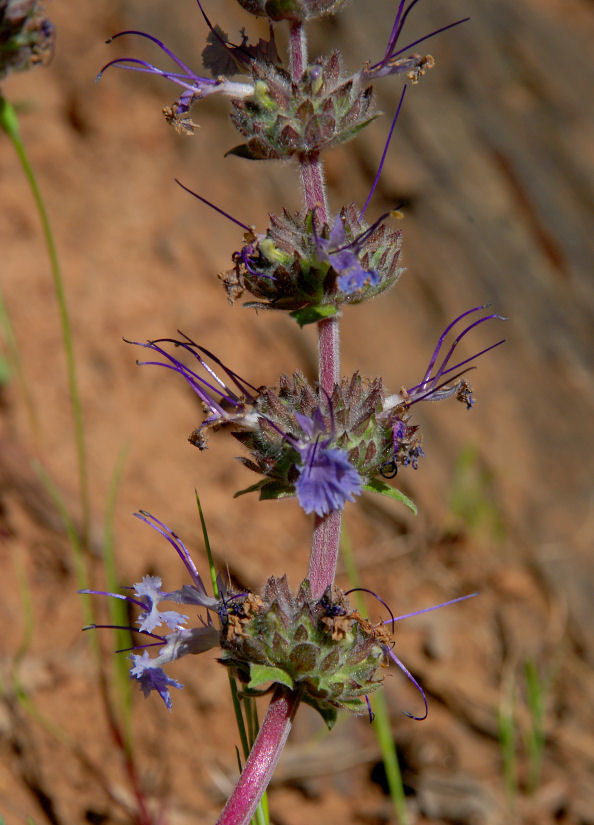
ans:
(326, 535)
(262, 760)
(276, 725)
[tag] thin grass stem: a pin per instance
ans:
(9, 122)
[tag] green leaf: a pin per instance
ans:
(329, 715)
(243, 151)
(377, 486)
(275, 489)
(262, 674)
(311, 315)
(253, 489)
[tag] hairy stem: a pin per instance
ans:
(273, 734)
(326, 534)
(262, 760)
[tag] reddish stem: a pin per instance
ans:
(262, 760)
(271, 739)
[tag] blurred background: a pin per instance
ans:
(493, 160)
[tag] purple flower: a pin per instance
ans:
(344, 257)
(152, 678)
(216, 395)
(149, 589)
(195, 87)
(327, 479)
(147, 670)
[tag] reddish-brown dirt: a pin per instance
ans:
(493, 159)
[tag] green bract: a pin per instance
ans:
(283, 119)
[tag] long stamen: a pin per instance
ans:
(140, 647)
(402, 22)
(175, 542)
(442, 339)
(427, 36)
(395, 29)
(161, 45)
(380, 600)
(149, 68)
(196, 381)
(455, 367)
(162, 639)
(409, 675)
(371, 713)
(360, 239)
(430, 609)
(137, 602)
(212, 206)
(381, 164)
(445, 361)
(239, 382)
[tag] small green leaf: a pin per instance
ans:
(377, 486)
(275, 489)
(329, 715)
(262, 674)
(243, 151)
(311, 315)
(253, 489)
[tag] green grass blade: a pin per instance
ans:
(117, 608)
(9, 123)
(536, 690)
(14, 364)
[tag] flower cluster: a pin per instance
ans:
(280, 117)
(26, 36)
(312, 269)
(322, 648)
(324, 449)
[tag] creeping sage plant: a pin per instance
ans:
(322, 443)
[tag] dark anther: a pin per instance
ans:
(389, 469)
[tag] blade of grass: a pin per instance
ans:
(9, 123)
(117, 608)
(536, 690)
(16, 365)
(381, 728)
(261, 815)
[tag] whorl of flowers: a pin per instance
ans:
(322, 648)
(311, 269)
(323, 449)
